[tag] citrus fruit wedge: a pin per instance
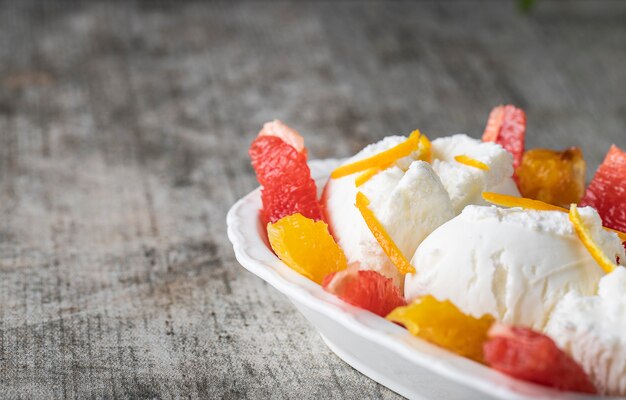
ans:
(471, 162)
(286, 179)
(365, 289)
(555, 177)
(507, 127)
(286, 133)
(607, 191)
(586, 238)
(382, 237)
(381, 159)
(531, 356)
(306, 246)
(442, 323)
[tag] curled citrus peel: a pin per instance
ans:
(471, 162)
(367, 175)
(424, 154)
(504, 200)
(585, 237)
(382, 237)
(381, 159)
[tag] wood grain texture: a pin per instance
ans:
(123, 142)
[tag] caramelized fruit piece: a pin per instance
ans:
(365, 289)
(607, 191)
(381, 159)
(555, 177)
(507, 127)
(585, 237)
(441, 323)
(532, 356)
(382, 237)
(471, 162)
(306, 246)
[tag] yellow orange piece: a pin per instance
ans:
(443, 324)
(381, 159)
(382, 237)
(471, 162)
(505, 200)
(306, 246)
(585, 237)
(555, 177)
(620, 235)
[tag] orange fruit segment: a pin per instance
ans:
(471, 162)
(382, 237)
(381, 159)
(555, 177)
(443, 324)
(306, 246)
(585, 237)
(425, 149)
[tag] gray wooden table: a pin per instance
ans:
(124, 130)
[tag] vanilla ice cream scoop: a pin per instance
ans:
(465, 184)
(511, 263)
(407, 198)
(592, 330)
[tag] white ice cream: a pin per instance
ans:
(464, 184)
(409, 199)
(511, 263)
(592, 329)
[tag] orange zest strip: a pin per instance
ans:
(382, 237)
(426, 153)
(504, 200)
(367, 175)
(585, 237)
(512, 201)
(383, 158)
(471, 162)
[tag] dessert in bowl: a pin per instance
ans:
(436, 237)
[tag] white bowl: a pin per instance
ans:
(374, 346)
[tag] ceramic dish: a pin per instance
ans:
(374, 346)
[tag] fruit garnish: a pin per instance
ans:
(507, 127)
(367, 175)
(585, 237)
(471, 162)
(534, 357)
(286, 179)
(306, 246)
(607, 191)
(381, 159)
(504, 200)
(382, 237)
(425, 149)
(442, 323)
(288, 135)
(555, 177)
(365, 289)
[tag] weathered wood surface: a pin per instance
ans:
(123, 136)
